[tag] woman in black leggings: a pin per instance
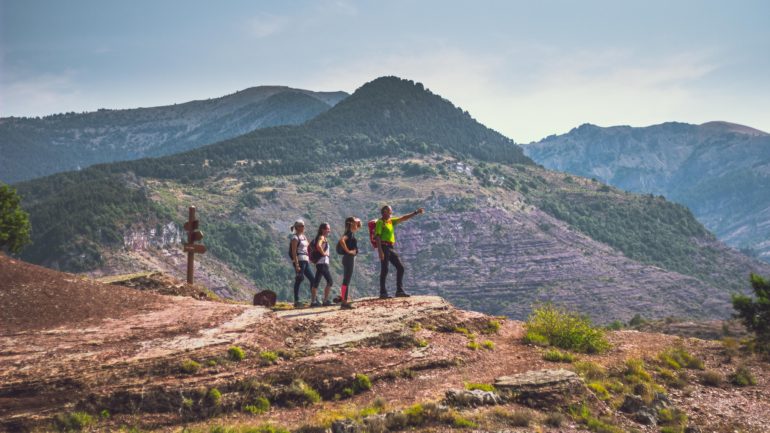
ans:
(348, 247)
(322, 266)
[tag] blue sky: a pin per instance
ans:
(527, 69)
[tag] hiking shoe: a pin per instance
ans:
(337, 299)
(346, 306)
(297, 305)
(315, 304)
(402, 294)
(384, 295)
(327, 303)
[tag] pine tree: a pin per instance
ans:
(755, 312)
(14, 222)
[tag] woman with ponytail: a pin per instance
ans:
(348, 248)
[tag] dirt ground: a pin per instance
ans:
(106, 347)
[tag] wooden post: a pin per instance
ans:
(193, 235)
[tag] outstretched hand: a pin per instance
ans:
(420, 211)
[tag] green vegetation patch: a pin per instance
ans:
(564, 329)
(236, 354)
(73, 421)
(555, 355)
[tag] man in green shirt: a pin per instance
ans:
(385, 235)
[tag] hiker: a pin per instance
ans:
(298, 254)
(321, 258)
(386, 248)
(347, 247)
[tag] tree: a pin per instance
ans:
(14, 222)
(755, 313)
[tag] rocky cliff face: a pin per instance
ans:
(487, 248)
(720, 171)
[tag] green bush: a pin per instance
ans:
(361, 383)
(213, 397)
(677, 358)
(489, 345)
(189, 366)
(565, 329)
(73, 421)
(236, 354)
(470, 386)
(742, 377)
(473, 345)
(492, 327)
(755, 312)
(555, 355)
(460, 422)
(301, 393)
(590, 370)
(265, 428)
(258, 406)
(600, 391)
(268, 357)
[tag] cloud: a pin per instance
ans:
(43, 93)
(264, 24)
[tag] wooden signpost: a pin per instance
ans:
(193, 235)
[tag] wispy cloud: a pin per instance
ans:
(265, 24)
(30, 95)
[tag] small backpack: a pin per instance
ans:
(372, 238)
(299, 242)
(312, 252)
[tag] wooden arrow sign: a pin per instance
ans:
(197, 235)
(191, 225)
(194, 248)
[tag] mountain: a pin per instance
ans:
(500, 232)
(720, 170)
(34, 147)
(80, 355)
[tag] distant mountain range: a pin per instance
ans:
(500, 233)
(720, 170)
(34, 147)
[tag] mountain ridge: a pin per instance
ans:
(249, 189)
(720, 170)
(33, 147)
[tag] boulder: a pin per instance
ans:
(265, 298)
(474, 398)
(542, 388)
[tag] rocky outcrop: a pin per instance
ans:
(542, 388)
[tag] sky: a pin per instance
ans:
(526, 69)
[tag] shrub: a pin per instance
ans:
(361, 383)
(189, 367)
(514, 418)
(211, 362)
(473, 345)
(213, 397)
(590, 370)
(755, 312)
(421, 343)
(565, 329)
(711, 378)
(259, 405)
(555, 355)
(635, 371)
(742, 377)
(73, 421)
(554, 419)
(104, 414)
(489, 345)
(600, 391)
(301, 393)
(414, 414)
(460, 422)
(14, 222)
(470, 386)
(677, 358)
(265, 428)
(235, 353)
(462, 330)
(268, 357)
(672, 419)
(492, 327)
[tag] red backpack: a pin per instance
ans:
(372, 225)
